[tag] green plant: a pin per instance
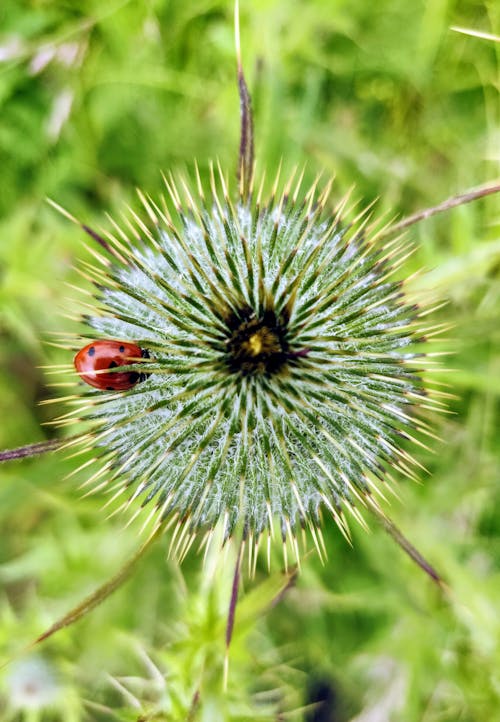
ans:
(380, 83)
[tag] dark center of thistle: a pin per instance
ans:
(256, 345)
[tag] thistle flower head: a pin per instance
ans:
(264, 361)
(280, 372)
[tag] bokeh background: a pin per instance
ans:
(95, 100)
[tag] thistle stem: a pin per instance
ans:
(195, 704)
(102, 593)
(98, 238)
(246, 152)
(472, 195)
(40, 447)
(232, 610)
(94, 599)
(89, 231)
(407, 546)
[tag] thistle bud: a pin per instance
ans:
(281, 366)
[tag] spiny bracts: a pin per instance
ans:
(284, 361)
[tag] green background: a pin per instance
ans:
(389, 99)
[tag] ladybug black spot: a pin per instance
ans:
(121, 349)
(91, 351)
(109, 388)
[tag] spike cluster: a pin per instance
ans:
(284, 363)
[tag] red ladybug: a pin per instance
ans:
(100, 355)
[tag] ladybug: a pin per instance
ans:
(99, 355)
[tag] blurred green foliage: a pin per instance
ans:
(96, 98)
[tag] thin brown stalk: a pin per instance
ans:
(407, 546)
(246, 151)
(40, 447)
(471, 195)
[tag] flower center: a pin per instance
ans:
(256, 345)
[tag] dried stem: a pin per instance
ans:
(403, 542)
(467, 197)
(102, 593)
(246, 153)
(194, 707)
(89, 231)
(232, 609)
(41, 447)
(98, 238)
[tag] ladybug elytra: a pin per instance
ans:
(98, 356)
